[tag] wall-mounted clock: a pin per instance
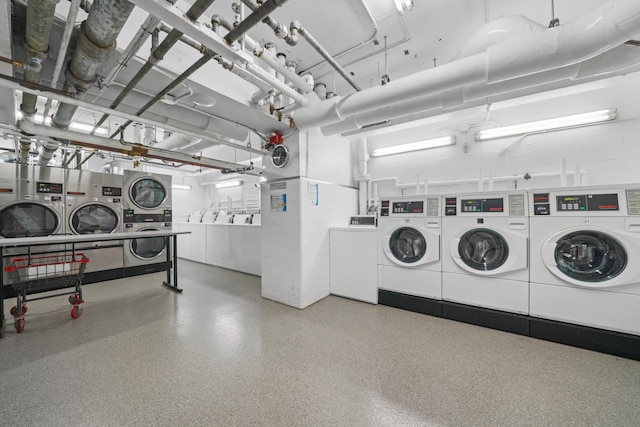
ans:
(280, 156)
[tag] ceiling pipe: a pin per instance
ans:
(360, 44)
(593, 34)
(280, 30)
(194, 12)
(9, 83)
(252, 20)
(175, 141)
(96, 40)
(295, 25)
(128, 148)
(40, 15)
(281, 68)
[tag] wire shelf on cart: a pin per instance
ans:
(33, 274)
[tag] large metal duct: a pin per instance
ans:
(96, 40)
(549, 53)
(36, 46)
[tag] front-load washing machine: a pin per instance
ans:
(585, 247)
(94, 206)
(31, 205)
(485, 240)
(409, 259)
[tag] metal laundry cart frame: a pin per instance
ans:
(34, 242)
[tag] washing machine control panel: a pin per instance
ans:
(112, 191)
(49, 188)
(131, 217)
(416, 207)
(588, 202)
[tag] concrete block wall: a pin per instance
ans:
(295, 243)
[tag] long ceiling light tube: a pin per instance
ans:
(414, 146)
(557, 123)
(227, 184)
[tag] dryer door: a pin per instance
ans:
(489, 251)
(94, 218)
(148, 193)
(147, 248)
(28, 219)
(591, 258)
(410, 246)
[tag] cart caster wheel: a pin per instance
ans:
(76, 312)
(14, 311)
(72, 299)
(19, 325)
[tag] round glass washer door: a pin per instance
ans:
(28, 219)
(407, 245)
(590, 256)
(94, 219)
(147, 248)
(483, 249)
(148, 193)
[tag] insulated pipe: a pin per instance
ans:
(94, 107)
(62, 52)
(252, 20)
(281, 68)
(36, 45)
(128, 148)
(133, 47)
(556, 48)
(280, 30)
(194, 12)
(96, 40)
(175, 141)
(323, 52)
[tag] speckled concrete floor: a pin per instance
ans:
(221, 355)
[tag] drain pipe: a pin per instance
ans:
(97, 39)
(252, 20)
(194, 12)
(280, 30)
(36, 45)
(296, 26)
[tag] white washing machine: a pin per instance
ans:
(94, 206)
(485, 241)
(585, 247)
(409, 259)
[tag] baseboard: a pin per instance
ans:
(413, 303)
(146, 269)
(494, 319)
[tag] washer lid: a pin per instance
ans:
(590, 256)
(148, 193)
(94, 218)
(28, 219)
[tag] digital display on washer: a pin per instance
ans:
(408, 207)
(541, 204)
(450, 206)
(482, 205)
(112, 191)
(588, 202)
(48, 187)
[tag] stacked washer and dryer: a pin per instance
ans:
(409, 260)
(585, 247)
(147, 207)
(94, 206)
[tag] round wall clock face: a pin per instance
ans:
(280, 156)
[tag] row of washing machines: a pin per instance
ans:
(43, 201)
(565, 254)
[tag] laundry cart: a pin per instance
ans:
(41, 273)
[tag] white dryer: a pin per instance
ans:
(409, 259)
(585, 247)
(485, 246)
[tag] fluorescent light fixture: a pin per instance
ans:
(414, 146)
(227, 184)
(263, 179)
(403, 6)
(548, 125)
(181, 186)
(73, 126)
